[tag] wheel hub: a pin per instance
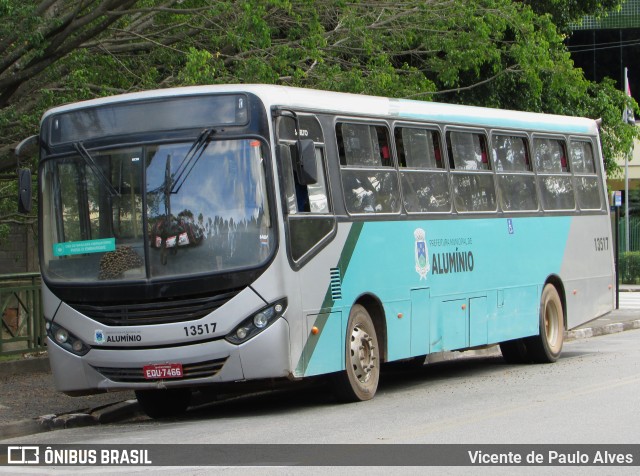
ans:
(362, 354)
(551, 323)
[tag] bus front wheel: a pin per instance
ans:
(359, 381)
(547, 345)
(164, 403)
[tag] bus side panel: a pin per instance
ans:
(399, 329)
(450, 328)
(480, 284)
(420, 321)
(516, 313)
(587, 269)
(478, 319)
(468, 262)
(324, 334)
(320, 306)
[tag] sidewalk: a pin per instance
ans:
(629, 288)
(30, 404)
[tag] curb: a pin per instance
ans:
(20, 366)
(106, 414)
(612, 328)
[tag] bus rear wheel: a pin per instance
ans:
(164, 403)
(547, 345)
(359, 381)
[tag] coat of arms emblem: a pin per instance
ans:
(421, 253)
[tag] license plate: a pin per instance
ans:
(162, 371)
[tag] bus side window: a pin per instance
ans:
(468, 151)
(303, 198)
(289, 183)
(550, 155)
(425, 183)
(582, 157)
(556, 185)
(301, 191)
(317, 192)
(516, 181)
(369, 180)
(471, 176)
(307, 207)
(585, 177)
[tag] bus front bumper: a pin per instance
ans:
(264, 356)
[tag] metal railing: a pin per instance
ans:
(22, 320)
(634, 234)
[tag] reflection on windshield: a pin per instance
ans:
(220, 200)
(205, 211)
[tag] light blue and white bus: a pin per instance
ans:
(205, 237)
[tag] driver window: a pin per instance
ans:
(307, 207)
(301, 198)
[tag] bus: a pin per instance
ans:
(202, 238)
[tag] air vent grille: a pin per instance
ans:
(153, 312)
(336, 284)
(135, 375)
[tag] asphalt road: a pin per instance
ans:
(589, 396)
(27, 392)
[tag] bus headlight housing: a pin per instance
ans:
(256, 323)
(66, 339)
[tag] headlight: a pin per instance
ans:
(66, 339)
(256, 323)
(61, 336)
(260, 320)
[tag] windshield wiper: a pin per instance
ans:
(84, 153)
(191, 159)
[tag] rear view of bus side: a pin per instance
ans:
(270, 234)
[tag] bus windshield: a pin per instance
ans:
(158, 210)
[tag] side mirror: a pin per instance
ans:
(28, 145)
(24, 191)
(25, 145)
(307, 168)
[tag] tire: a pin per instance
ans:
(164, 403)
(515, 352)
(359, 381)
(547, 345)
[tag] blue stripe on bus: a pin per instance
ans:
(450, 115)
(482, 286)
(507, 123)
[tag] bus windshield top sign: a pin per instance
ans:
(146, 116)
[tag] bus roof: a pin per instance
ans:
(357, 104)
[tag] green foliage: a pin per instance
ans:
(629, 267)
(199, 68)
(495, 53)
(604, 101)
(8, 201)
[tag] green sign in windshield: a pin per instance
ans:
(83, 247)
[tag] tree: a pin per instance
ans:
(496, 53)
(60, 51)
(63, 50)
(565, 12)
